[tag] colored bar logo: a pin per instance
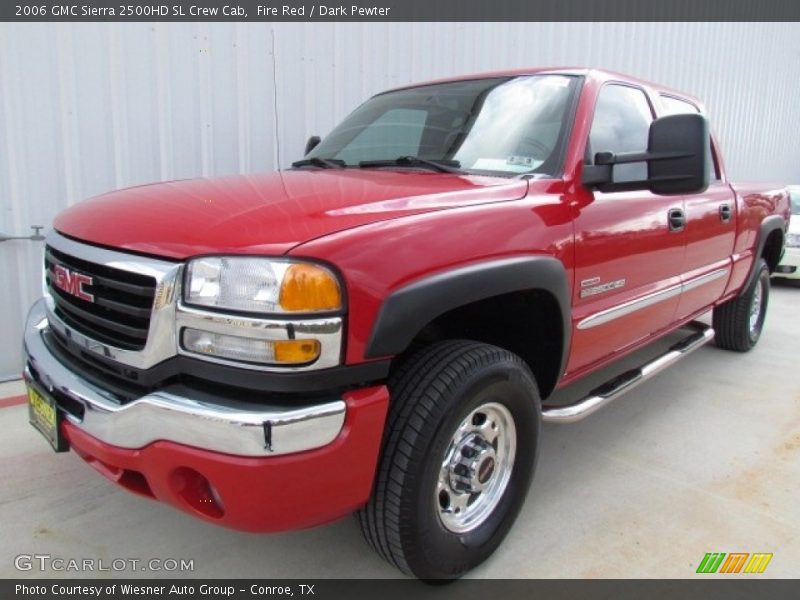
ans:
(736, 562)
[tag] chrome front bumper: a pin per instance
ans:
(239, 428)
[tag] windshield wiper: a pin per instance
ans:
(323, 163)
(443, 166)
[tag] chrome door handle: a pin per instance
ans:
(676, 219)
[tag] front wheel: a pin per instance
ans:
(457, 460)
(738, 322)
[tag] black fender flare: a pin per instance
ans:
(410, 308)
(770, 224)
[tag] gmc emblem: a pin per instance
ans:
(72, 282)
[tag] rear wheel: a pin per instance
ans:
(457, 461)
(738, 322)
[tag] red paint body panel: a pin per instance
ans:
(268, 213)
(623, 236)
(384, 256)
(754, 203)
(293, 491)
(709, 245)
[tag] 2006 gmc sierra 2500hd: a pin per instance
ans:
(377, 329)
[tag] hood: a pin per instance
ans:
(268, 213)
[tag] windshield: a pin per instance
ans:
(795, 196)
(495, 126)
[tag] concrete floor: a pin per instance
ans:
(704, 458)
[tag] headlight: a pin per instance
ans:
(258, 285)
(793, 240)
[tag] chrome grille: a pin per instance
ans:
(119, 312)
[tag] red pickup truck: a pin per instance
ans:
(378, 329)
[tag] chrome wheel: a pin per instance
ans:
(476, 468)
(755, 309)
(459, 454)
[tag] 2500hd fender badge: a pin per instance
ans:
(590, 289)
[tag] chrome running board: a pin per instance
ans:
(613, 389)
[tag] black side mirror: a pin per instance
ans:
(681, 145)
(676, 156)
(312, 143)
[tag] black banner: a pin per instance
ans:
(342, 589)
(401, 10)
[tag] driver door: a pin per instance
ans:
(629, 245)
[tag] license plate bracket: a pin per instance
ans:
(45, 416)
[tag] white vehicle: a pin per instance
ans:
(789, 266)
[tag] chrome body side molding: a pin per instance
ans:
(626, 308)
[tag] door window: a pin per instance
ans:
(621, 123)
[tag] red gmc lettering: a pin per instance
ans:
(72, 283)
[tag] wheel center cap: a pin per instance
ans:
(473, 465)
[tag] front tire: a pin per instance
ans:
(738, 322)
(458, 457)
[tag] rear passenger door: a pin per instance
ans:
(710, 231)
(628, 256)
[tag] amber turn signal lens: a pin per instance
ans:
(309, 288)
(296, 351)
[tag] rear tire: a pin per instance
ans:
(458, 457)
(738, 322)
